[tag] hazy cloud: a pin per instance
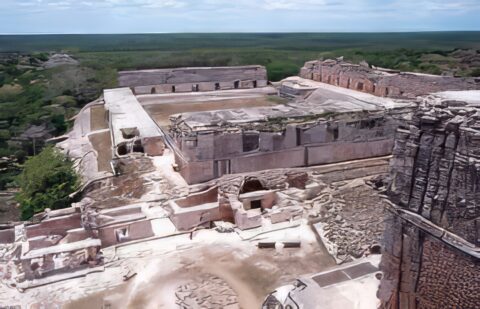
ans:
(236, 15)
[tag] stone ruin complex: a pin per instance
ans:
(382, 82)
(328, 126)
(285, 155)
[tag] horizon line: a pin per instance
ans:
(231, 32)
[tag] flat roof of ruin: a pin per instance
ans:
(193, 68)
(126, 112)
(472, 97)
(202, 96)
(326, 99)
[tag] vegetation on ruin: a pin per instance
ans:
(47, 181)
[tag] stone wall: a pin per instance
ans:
(211, 154)
(136, 230)
(436, 168)
(385, 83)
(55, 226)
(7, 236)
(431, 257)
(193, 79)
(422, 272)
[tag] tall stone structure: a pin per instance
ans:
(382, 82)
(432, 253)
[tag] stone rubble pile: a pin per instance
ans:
(207, 291)
(352, 221)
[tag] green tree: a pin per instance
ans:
(475, 72)
(47, 181)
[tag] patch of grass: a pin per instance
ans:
(9, 92)
(277, 100)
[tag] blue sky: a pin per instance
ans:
(139, 16)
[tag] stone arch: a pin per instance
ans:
(252, 184)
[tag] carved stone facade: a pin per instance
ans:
(432, 254)
(194, 79)
(382, 82)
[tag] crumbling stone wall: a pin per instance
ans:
(382, 82)
(431, 257)
(422, 272)
(436, 167)
(193, 79)
(341, 138)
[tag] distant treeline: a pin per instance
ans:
(276, 41)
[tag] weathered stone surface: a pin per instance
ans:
(432, 241)
(207, 291)
(382, 82)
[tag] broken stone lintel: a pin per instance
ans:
(441, 234)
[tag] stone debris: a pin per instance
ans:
(351, 219)
(206, 292)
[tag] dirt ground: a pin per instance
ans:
(8, 211)
(98, 119)
(162, 111)
(211, 276)
(103, 145)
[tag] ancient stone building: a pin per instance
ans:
(331, 125)
(432, 254)
(193, 79)
(382, 82)
(132, 129)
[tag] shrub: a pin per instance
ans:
(47, 181)
(475, 72)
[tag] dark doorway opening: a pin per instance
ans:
(335, 134)
(256, 204)
(254, 84)
(236, 84)
(252, 185)
(251, 141)
(138, 147)
(153, 91)
(173, 89)
(217, 86)
(122, 149)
